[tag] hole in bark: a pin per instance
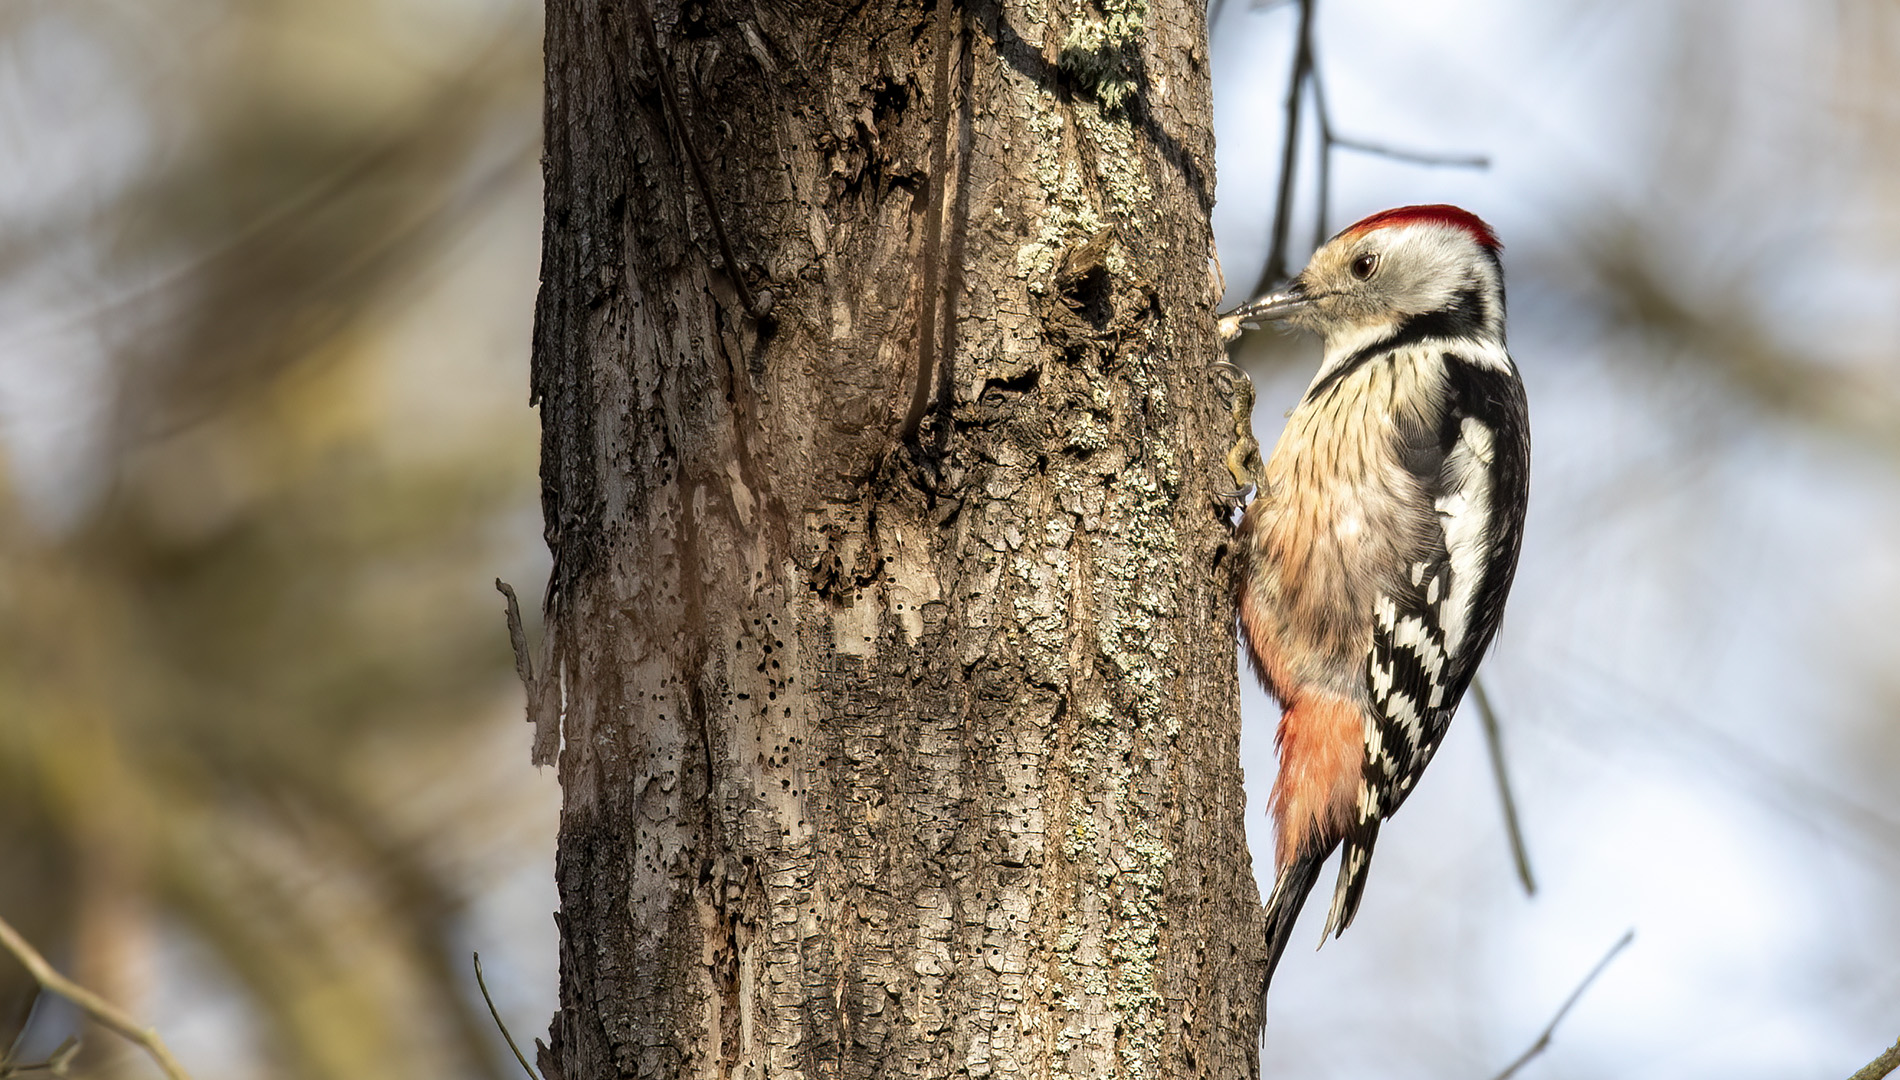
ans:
(1089, 294)
(889, 97)
(996, 391)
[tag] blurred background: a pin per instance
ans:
(266, 283)
(267, 272)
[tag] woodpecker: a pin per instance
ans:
(1372, 566)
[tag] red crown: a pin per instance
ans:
(1429, 214)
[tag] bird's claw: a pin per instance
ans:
(1230, 369)
(1234, 500)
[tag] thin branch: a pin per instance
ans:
(1878, 1068)
(29, 1008)
(492, 1011)
(1494, 742)
(1276, 269)
(1330, 139)
(59, 1062)
(1543, 1038)
(104, 1012)
(1326, 144)
(1416, 157)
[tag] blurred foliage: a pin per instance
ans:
(1767, 205)
(260, 619)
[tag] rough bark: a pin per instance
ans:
(898, 713)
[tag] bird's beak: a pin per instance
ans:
(1284, 304)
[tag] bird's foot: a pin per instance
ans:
(1243, 459)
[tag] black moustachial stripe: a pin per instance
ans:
(1465, 318)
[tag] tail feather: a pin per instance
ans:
(1295, 881)
(1354, 862)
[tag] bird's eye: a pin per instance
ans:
(1364, 265)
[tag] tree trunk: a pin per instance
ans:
(892, 658)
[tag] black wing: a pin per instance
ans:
(1431, 631)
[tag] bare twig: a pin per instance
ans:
(1878, 1068)
(1330, 139)
(58, 1063)
(25, 1021)
(1326, 143)
(102, 1011)
(1494, 742)
(1416, 157)
(1543, 1038)
(1276, 268)
(492, 1011)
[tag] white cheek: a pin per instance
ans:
(1348, 527)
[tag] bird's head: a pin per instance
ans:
(1437, 263)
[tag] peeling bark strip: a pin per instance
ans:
(891, 748)
(544, 690)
